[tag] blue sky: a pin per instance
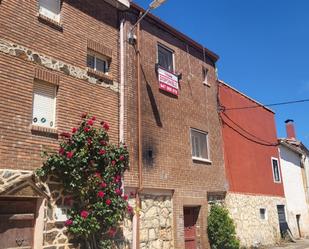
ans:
(263, 47)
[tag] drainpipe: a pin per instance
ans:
(139, 134)
(121, 104)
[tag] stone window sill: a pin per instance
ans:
(203, 160)
(44, 131)
(206, 84)
(99, 75)
(50, 22)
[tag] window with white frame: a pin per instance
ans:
(44, 104)
(276, 170)
(263, 214)
(165, 58)
(199, 143)
(50, 9)
(97, 62)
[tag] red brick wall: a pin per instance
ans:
(247, 160)
(82, 20)
(166, 123)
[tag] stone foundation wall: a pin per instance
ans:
(250, 228)
(156, 227)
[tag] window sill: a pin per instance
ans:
(99, 75)
(206, 84)
(50, 22)
(198, 159)
(44, 131)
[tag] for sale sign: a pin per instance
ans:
(168, 81)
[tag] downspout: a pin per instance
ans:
(139, 134)
(121, 102)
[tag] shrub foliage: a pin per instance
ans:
(221, 229)
(90, 170)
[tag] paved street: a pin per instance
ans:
(300, 244)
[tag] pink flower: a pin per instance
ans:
(102, 142)
(86, 129)
(97, 174)
(112, 232)
(125, 197)
(121, 158)
(108, 202)
(113, 162)
(74, 129)
(117, 178)
(65, 134)
(118, 191)
(102, 152)
(68, 223)
(130, 209)
(105, 126)
(61, 151)
(94, 118)
(70, 154)
(89, 141)
(84, 115)
(101, 194)
(90, 122)
(103, 185)
(84, 214)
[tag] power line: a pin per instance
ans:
(251, 136)
(268, 105)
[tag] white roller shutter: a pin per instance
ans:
(50, 9)
(44, 100)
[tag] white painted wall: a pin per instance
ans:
(306, 166)
(294, 191)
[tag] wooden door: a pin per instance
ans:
(17, 219)
(190, 219)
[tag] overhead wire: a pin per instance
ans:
(268, 105)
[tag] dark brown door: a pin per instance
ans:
(190, 219)
(17, 219)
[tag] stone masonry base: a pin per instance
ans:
(251, 229)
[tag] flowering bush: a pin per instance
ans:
(90, 170)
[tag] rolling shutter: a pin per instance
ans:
(44, 99)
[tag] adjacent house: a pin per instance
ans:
(255, 196)
(294, 165)
(57, 60)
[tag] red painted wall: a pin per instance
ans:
(246, 134)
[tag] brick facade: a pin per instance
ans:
(166, 121)
(33, 48)
(82, 21)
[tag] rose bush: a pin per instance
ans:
(90, 170)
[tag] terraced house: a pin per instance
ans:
(155, 86)
(174, 134)
(57, 60)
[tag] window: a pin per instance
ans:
(97, 62)
(205, 76)
(263, 214)
(199, 143)
(50, 9)
(276, 171)
(165, 58)
(44, 104)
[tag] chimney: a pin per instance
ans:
(290, 130)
